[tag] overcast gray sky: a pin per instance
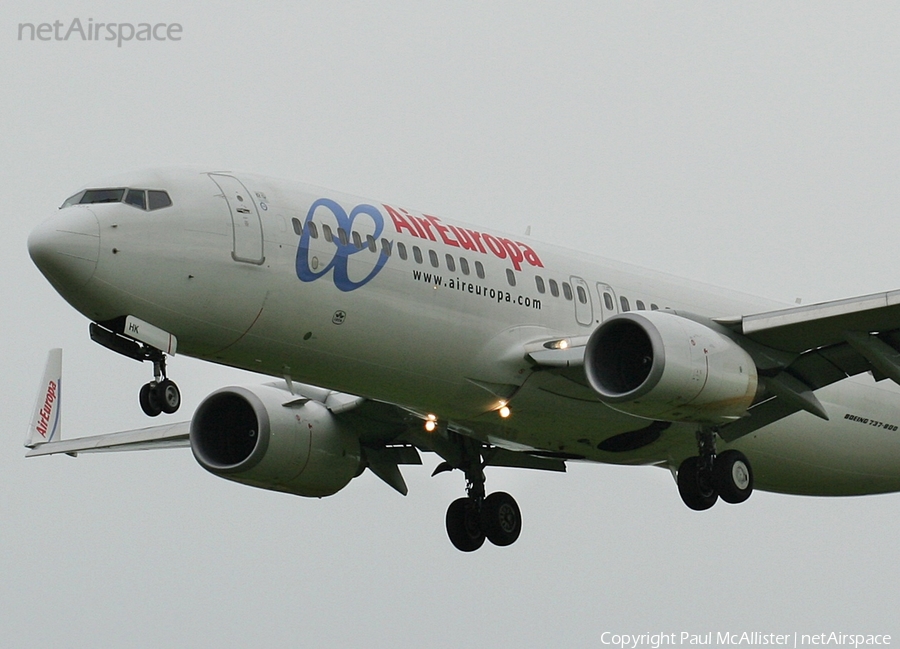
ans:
(751, 145)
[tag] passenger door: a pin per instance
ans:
(247, 226)
(584, 309)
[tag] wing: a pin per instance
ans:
(171, 436)
(797, 351)
(798, 329)
(44, 435)
(818, 345)
(390, 435)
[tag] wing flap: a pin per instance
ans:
(815, 370)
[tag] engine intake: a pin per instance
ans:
(225, 431)
(249, 436)
(663, 366)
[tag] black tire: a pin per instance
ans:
(696, 489)
(149, 400)
(501, 519)
(733, 477)
(168, 396)
(463, 526)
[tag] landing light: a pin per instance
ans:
(431, 423)
(504, 411)
(563, 343)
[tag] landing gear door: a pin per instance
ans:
(248, 235)
(608, 304)
(584, 310)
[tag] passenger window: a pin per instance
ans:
(451, 263)
(554, 288)
(582, 296)
(386, 247)
(401, 250)
(313, 230)
(298, 227)
(567, 290)
(479, 269)
(326, 232)
(639, 305)
(357, 240)
(464, 265)
(539, 282)
(432, 256)
(417, 253)
(608, 301)
(510, 277)
(653, 307)
(370, 241)
(137, 198)
(625, 305)
(156, 199)
(342, 236)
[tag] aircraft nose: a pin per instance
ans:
(66, 247)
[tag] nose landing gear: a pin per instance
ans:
(703, 479)
(160, 394)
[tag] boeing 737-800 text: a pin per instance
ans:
(390, 332)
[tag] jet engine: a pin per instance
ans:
(662, 366)
(258, 436)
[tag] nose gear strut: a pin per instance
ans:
(159, 395)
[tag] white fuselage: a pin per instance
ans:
(426, 313)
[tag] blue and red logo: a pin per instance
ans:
(344, 249)
(426, 228)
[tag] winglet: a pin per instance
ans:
(45, 423)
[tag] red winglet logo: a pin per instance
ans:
(47, 409)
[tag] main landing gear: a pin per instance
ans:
(477, 517)
(705, 478)
(160, 394)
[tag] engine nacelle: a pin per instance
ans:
(249, 436)
(659, 365)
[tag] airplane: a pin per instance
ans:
(389, 332)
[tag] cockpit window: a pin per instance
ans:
(145, 199)
(72, 200)
(137, 198)
(102, 196)
(158, 199)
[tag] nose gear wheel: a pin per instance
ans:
(161, 394)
